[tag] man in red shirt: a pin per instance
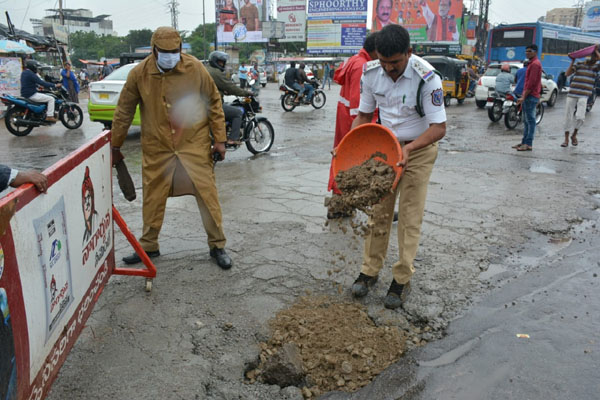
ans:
(348, 75)
(530, 98)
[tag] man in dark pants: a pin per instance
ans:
(216, 69)
(530, 98)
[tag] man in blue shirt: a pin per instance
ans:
(520, 78)
(243, 75)
(29, 82)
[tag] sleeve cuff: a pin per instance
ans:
(13, 175)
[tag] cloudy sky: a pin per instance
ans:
(140, 14)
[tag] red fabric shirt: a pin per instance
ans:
(533, 78)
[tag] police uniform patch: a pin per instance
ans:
(437, 97)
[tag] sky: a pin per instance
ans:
(149, 14)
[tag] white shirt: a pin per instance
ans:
(397, 100)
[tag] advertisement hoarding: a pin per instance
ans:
(591, 17)
(425, 20)
(56, 254)
(336, 26)
(293, 13)
(239, 21)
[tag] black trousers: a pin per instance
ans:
(233, 115)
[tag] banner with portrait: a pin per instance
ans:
(336, 26)
(240, 21)
(425, 20)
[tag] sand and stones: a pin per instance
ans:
(339, 345)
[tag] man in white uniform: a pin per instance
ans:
(392, 84)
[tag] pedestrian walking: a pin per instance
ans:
(243, 75)
(348, 76)
(530, 98)
(69, 81)
(181, 111)
(583, 84)
(327, 76)
(106, 70)
(392, 84)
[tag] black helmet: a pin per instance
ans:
(32, 65)
(216, 56)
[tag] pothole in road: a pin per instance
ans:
(320, 344)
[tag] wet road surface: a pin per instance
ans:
(500, 227)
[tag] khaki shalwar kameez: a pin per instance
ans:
(176, 151)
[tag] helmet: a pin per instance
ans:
(32, 65)
(216, 56)
(505, 67)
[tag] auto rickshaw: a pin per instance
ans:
(455, 77)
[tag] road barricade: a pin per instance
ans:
(56, 256)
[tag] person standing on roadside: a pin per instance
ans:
(106, 70)
(348, 76)
(327, 76)
(391, 84)
(180, 109)
(15, 178)
(69, 81)
(582, 85)
(243, 75)
(530, 98)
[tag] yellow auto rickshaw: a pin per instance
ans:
(455, 77)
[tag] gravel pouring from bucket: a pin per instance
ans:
(365, 142)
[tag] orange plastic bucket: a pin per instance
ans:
(362, 142)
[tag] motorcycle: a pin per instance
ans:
(289, 95)
(495, 106)
(513, 113)
(22, 115)
(257, 132)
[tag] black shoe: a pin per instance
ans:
(396, 295)
(395, 217)
(361, 285)
(134, 258)
(222, 258)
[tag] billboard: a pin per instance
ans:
(425, 20)
(336, 26)
(591, 17)
(293, 13)
(240, 20)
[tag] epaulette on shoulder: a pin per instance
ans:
(423, 68)
(370, 65)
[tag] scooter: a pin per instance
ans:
(289, 96)
(22, 115)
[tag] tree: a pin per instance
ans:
(138, 38)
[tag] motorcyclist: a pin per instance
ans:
(216, 69)
(29, 82)
(504, 80)
(307, 88)
(291, 79)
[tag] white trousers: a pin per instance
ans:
(574, 119)
(44, 98)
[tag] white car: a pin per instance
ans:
(488, 80)
(262, 75)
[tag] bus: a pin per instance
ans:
(506, 43)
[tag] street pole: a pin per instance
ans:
(204, 29)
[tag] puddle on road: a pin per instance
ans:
(539, 168)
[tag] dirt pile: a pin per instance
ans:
(362, 186)
(340, 346)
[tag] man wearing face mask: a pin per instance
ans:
(180, 106)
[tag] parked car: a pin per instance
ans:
(104, 96)
(488, 80)
(262, 74)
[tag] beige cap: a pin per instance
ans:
(166, 38)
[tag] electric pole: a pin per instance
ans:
(482, 21)
(172, 5)
(579, 13)
(60, 12)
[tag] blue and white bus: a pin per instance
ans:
(508, 43)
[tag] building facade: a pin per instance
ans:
(564, 16)
(74, 21)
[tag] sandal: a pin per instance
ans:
(516, 146)
(524, 147)
(566, 144)
(574, 141)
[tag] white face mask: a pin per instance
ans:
(168, 60)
